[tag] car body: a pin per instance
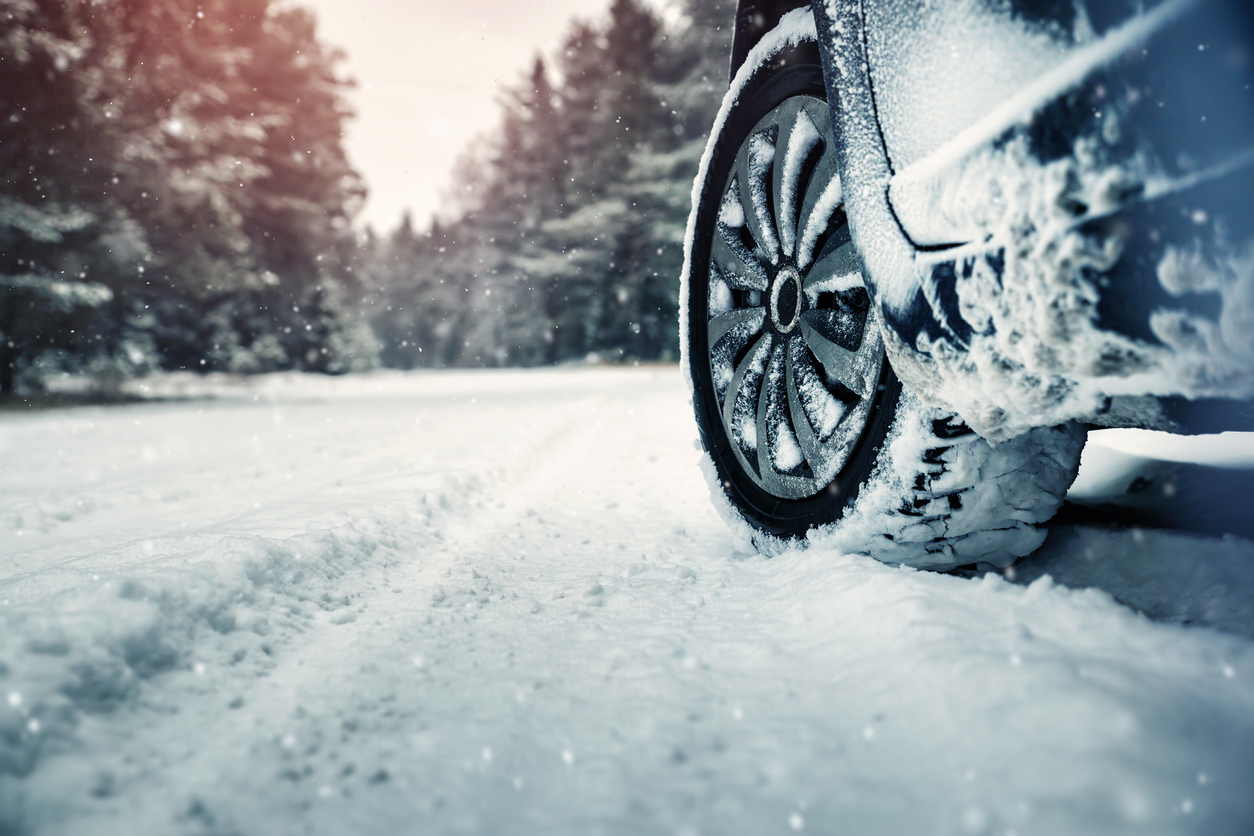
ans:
(1053, 201)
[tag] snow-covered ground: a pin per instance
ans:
(501, 602)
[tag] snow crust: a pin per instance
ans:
(1229, 449)
(938, 68)
(500, 602)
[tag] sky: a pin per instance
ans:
(429, 74)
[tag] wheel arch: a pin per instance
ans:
(754, 18)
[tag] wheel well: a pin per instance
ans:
(754, 18)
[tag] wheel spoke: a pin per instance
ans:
(826, 450)
(841, 327)
(725, 349)
(823, 195)
(740, 269)
(839, 362)
(755, 162)
(811, 447)
(744, 372)
(798, 137)
(773, 415)
(835, 271)
(720, 325)
(770, 384)
(821, 407)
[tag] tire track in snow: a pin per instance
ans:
(176, 621)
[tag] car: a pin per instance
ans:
(932, 244)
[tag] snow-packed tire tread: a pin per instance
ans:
(942, 497)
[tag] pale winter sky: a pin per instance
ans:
(428, 73)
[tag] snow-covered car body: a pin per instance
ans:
(1053, 201)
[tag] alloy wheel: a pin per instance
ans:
(794, 356)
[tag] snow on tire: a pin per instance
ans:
(807, 431)
(942, 496)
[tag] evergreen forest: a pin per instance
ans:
(175, 195)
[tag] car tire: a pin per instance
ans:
(807, 432)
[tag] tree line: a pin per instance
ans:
(174, 194)
(567, 232)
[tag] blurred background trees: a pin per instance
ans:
(565, 235)
(175, 195)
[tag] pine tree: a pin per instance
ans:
(583, 117)
(56, 221)
(198, 142)
(569, 222)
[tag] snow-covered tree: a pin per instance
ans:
(567, 231)
(194, 149)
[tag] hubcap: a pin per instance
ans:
(794, 357)
(786, 299)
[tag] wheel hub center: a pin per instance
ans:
(785, 305)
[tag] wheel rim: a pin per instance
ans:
(793, 356)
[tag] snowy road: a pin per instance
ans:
(502, 603)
